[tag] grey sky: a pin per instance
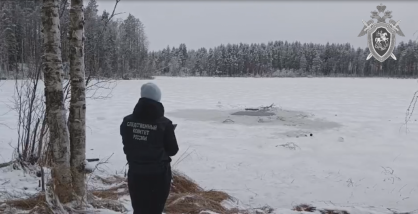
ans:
(211, 23)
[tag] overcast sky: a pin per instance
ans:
(211, 23)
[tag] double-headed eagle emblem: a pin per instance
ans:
(381, 35)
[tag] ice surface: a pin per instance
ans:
(373, 167)
(277, 117)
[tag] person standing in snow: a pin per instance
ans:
(149, 142)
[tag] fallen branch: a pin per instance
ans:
(290, 145)
(310, 208)
(113, 193)
(262, 108)
(96, 168)
(328, 211)
(228, 121)
(267, 107)
(2, 165)
(396, 212)
(92, 159)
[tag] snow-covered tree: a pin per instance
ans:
(77, 117)
(54, 95)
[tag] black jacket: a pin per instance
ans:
(148, 138)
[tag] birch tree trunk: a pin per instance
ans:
(54, 96)
(77, 117)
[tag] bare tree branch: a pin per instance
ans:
(63, 6)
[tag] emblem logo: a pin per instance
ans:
(381, 35)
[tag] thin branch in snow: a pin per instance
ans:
(97, 167)
(2, 124)
(350, 183)
(410, 110)
(290, 145)
(183, 156)
(228, 121)
(391, 174)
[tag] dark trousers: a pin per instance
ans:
(149, 192)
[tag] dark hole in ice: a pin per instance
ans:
(254, 113)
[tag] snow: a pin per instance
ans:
(359, 158)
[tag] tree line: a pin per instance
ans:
(114, 48)
(284, 59)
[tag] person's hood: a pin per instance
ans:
(148, 109)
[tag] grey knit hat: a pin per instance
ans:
(151, 91)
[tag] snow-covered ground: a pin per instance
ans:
(359, 156)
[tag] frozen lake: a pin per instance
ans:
(359, 156)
